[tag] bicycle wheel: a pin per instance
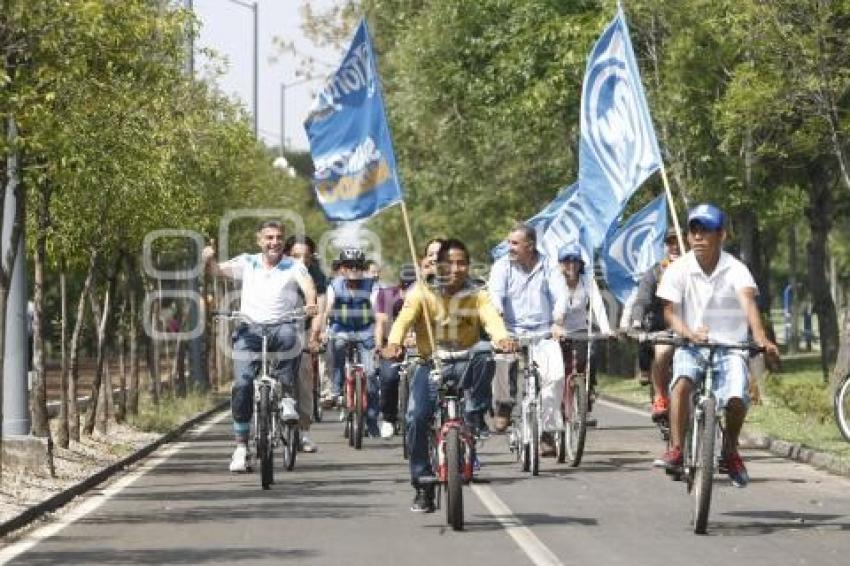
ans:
(704, 464)
(561, 441)
(524, 452)
(318, 410)
(291, 437)
(403, 392)
(264, 446)
(454, 480)
(359, 412)
(842, 407)
(534, 441)
(576, 421)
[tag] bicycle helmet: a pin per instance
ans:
(352, 257)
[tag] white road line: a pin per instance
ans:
(537, 552)
(624, 408)
(93, 501)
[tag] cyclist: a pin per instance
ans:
(710, 295)
(525, 288)
(456, 311)
(648, 314)
(428, 263)
(388, 304)
(270, 285)
(574, 317)
(303, 249)
(350, 300)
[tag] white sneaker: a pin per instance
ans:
(287, 410)
(239, 461)
(387, 429)
(307, 444)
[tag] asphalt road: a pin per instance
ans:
(342, 506)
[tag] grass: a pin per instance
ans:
(796, 405)
(172, 410)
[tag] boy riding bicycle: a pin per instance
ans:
(350, 311)
(456, 311)
(710, 295)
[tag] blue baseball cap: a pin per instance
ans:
(707, 215)
(570, 252)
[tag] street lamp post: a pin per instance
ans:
(253, 6)
(283, 87)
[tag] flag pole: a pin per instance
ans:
(419, 279)
(672, 205)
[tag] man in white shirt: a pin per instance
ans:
(270, 285)
(526, 288)
(710, 296)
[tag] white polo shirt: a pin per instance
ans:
(709, 300)
(268, 293)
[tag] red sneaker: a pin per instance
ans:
(660, 408)
(671, 460)
(737, 470)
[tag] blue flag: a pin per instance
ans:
(350, 142)
(618, 149)
(570, 225)
(541, 220)
(635, 247)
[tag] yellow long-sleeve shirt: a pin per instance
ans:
(456, 319)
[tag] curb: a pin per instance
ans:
(63, 497)
(782, 448)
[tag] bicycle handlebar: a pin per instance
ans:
(672, 339)
(290, 316)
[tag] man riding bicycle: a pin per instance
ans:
(270, 284)
(648, 314)
(710, 295)
(456, 310)
(525, 288)
(350, 310)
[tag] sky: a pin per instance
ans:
(227, 28)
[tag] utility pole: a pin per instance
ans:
(16, 354)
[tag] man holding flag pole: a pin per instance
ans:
(356, 177)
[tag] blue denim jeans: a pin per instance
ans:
(389, 377)
(284, 347)
(472, 376)
(366, 347)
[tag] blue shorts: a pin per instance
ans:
(730, 372)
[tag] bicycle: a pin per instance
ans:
(353, 412)
(705, 432)
(525, 439)
(570, 441)
(841, 403)
(451, 444)
(270, 430)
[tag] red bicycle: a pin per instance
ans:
(451, 442)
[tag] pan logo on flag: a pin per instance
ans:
(629, 250)
(620, 140)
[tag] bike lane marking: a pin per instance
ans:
(537, 552)
(94, 500)
(624, 408)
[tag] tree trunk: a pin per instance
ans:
(103, 330)
(121, 410)
(62, 438)
(153, 353)
(38, 395)
(4, 298)
(133, 397)
(796, 291)
(74, 362)
(819, 214)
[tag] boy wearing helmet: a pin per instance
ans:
(350, 299)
